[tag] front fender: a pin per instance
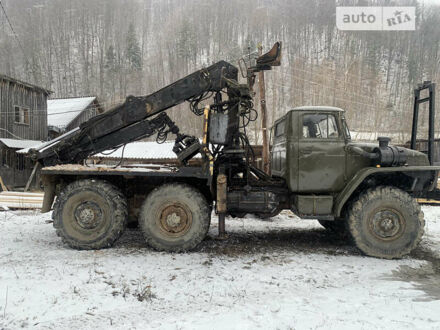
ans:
(425, 172)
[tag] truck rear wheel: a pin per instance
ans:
(175, 217)
(386, 222)
(90, 214)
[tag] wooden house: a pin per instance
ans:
(23, 110)
(68, 113)
(23, 123)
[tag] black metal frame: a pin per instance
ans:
(430, 86)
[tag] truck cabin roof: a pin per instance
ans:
(317, 108)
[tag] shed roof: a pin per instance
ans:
(25, 84)
(42, 145)
(142, 150)
(61, 112)
(19, 144)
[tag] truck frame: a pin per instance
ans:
(317, 171)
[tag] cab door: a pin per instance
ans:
(278, 150)
(321, 153)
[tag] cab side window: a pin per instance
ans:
(280, 128)
(320, 126)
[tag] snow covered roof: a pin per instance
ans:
(142, 150)
(61, 112)
(42, 145)
(19, 144)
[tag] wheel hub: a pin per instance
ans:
(88, 215)
(387, 224)
(175, 219)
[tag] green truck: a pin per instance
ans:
(351, 186)
(318, 172)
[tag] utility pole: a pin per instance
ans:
(265, 155)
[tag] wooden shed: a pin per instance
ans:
(23, 123)
(68, 113)
(23, 110)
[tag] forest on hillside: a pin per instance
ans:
(114, 48)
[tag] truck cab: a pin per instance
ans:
(313, 152)
(309, 149)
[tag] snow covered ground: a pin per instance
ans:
(282, 274)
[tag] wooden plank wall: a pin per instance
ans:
(35, 100)
(12, 95)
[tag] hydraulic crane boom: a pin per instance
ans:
(130, 120)
(142, 116)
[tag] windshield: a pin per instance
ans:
(321, 126)
(345, 128)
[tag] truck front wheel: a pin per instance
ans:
(90, 214)
(386, 222)
(175, 217)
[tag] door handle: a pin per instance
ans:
(306, 151)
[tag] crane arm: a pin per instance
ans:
(131, 120)
(142, 116)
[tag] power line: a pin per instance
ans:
(312, 72)
(13, 31)
(322, 75)
(368, 98)
(329, 96)
(373, 100)
(314, 66)
(109, 106)
(44, 112)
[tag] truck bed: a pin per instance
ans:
(144, 170)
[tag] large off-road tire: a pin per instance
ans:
(386, 222)
(175, 217)
(90, 214)
(337, 226)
